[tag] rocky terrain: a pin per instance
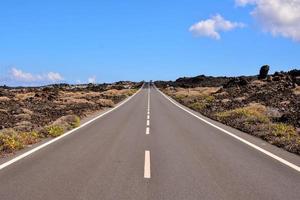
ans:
(29, 114)
(267, 106)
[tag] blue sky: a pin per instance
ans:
(135, 40)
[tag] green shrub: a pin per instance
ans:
(67, 122)
(208, 98)
(76, 122)
(180, 96)
(9, 143)
(29, 137)
(283, 130)
(197, 106)
(55, 130)
(131, 92)
(250, 114)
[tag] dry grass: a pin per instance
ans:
(192, 92)
(114, 92)
(76, 95)
(27, 111)
(207, 90)
(105, 102)
(4, 99)
(80, 95)
(195, 98)
(258, 83)
(240, 98)
(222, 94)
(253, 113)
(197, 106)
(66, 122)
(283, 130)
(24, 96)
(72, 100)
(23, 126)
(23, 117)
(296, 91)
(11, 141)
(55, 130)
(3, 111)
(225, 100)
(28, 138)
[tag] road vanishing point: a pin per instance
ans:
(150, 147)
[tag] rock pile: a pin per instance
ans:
(26, 109)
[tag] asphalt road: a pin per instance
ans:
(149, 148)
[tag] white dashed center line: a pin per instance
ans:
(147, 172)
(147, 131)
(148, 113)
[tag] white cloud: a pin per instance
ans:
(53, 76)
(211, 27)
(92, 79)
(244, 2)
(279, 17)
(19, 75)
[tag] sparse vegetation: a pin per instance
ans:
(253, 118)
(254, 113)
(55, 130)
(197, 106)
(29, 114)
(283, 130)
(195, 98)
(76, 122)
(105, 102)
(266, 106)
(10, 140)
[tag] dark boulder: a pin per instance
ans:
(263, 73)
(294, 72)
(236, 82)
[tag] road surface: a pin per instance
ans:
(149, 148)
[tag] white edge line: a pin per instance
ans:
(2, 166)
(283, 161)
(147, 172)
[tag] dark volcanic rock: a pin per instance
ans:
(39, 106)
(276, 92)
(294, 72)
(236, 82)
(201, 81)
(295, 76)
(263, 73)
